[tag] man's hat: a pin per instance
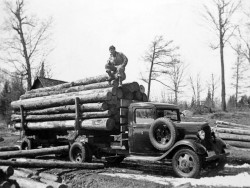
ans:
(112, 47)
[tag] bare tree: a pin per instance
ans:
(175, 77)
(224, 29)
(212, 86)
(197, 89)
(26, 39)
(159, 57)
(239, 69)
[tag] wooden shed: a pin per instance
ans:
(40, 82)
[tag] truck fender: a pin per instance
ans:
(218, 145)
(198, 148)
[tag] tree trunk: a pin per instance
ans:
(85, 81)
(32, 153)
(70, 90)
(47, 103)
(36, 163)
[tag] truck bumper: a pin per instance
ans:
(213, 156)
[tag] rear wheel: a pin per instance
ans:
(186, 163)
(114, 160)
(79, 153)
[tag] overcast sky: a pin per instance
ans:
(84, 29)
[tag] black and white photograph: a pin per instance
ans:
(124, 93)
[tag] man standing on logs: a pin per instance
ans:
(116, 64)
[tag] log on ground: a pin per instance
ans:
(33, 152)
(234, 137)
(29, 183)
(239, 144)
(233, 131)
(9, 148)
(53, 183)
(36, 163)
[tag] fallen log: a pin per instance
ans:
(88, 107)
(39, 104)
(70, 90)
(232, 124)
(38, 163)
(232, 131)
(29, 183)
(9, 148)
(33, 152)
(239, 144)
(85, 81)
(61, 117)
(91, 124)
(53, 183)
(234, 137)
(19, 173)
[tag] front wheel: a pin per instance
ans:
(186, 163)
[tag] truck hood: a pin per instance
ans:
(190, 128)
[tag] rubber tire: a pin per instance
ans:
(173, 132)
(78, 152)
(26, 144)
(114, 160)
(195, 172)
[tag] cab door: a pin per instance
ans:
(139, 128)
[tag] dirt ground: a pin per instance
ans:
(147, 174)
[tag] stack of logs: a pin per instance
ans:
(94, 100)
(236, 135)
(10, 177)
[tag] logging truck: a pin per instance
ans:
(116, 123)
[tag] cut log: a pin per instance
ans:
(88, 107)
(128, 96)
(39, 104)
(234, 137)
(50, 177)
(107, 124)
(53, 183)
(36, 163)
(75, 94)
(9, 148)
(125, 103)
(232, 124)
(70, 90)
(233, 131)
(91, 124)
(239, 144)
(29, 171)
(33, 152)
(134, 86)
(85, 81)
(231, 127)
(61, 117)
(29, 183)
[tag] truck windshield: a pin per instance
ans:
(168, 113)
(144, 116)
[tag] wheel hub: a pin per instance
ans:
(185, 163)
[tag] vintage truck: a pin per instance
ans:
(108, 122)
(156, 133)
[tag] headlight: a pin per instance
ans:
(201, 134)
